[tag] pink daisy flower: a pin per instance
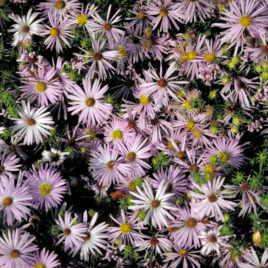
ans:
(226, 150)
(45, 259)
(136, 154)
(9, 163)
(195, 9)
(16, 199)
(107, 168)
(107, 26)
(118, 132)
(186, 256)
(162, 86)
(94, 239)
(157, 244)
(89, 103)
(59, 8)
(128, 229)
(212, 241)
(188, 227)
(156, 205)
(211, 199)
(101, 61)
(172, 177)
(17, 249)
(72, 233)
(47, 186)
(243, 15)
(164, 12)
(59, 29)
(44, 86)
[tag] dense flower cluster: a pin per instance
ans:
(134, 135)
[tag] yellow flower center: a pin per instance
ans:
(223, 156)
(7, 201)
(122, 52)
(191, 55)
(140, 15)
(209, 57)
(245, 21)
(190, 125)
(54, 32)
(90, 102)
(187, 105)
(14, 254)
(191, 223)
(183, 252)
(131, 156)
(209, 168)
(171, 146)
(117, 134)
(45, 189)
(81, 19)
(144, 99)
(163, 12)
(110, 165)
(91, 134)
(131, 185)
(125, 228)
(59, 4)
(41, 87)
(39, 265)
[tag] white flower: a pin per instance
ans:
(32, 124)
(25, 27)
(56, 157)
(212, 241)
(156, 205)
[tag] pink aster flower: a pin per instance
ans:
(100, 60)
(94, 239)
(213, 241)
(72, 233)
(136, 153)
(17, 249)
(157, 243)
(8, 164)
(59, 29)
(185, 256)
(47, 186)
(188, 225)
(107, 167)
(243, 15)
(107, 26)
(212, 200)
(226, 150)
(43, 86)
(59, 8)
(128, 229)
(165, 13)
(195, 9)
(156, 205)
(33, 124)
(250, 259)
(118, 132)
(89, 103)
(162, 86)
(173, 178)
(16, 199)
(46, 259)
